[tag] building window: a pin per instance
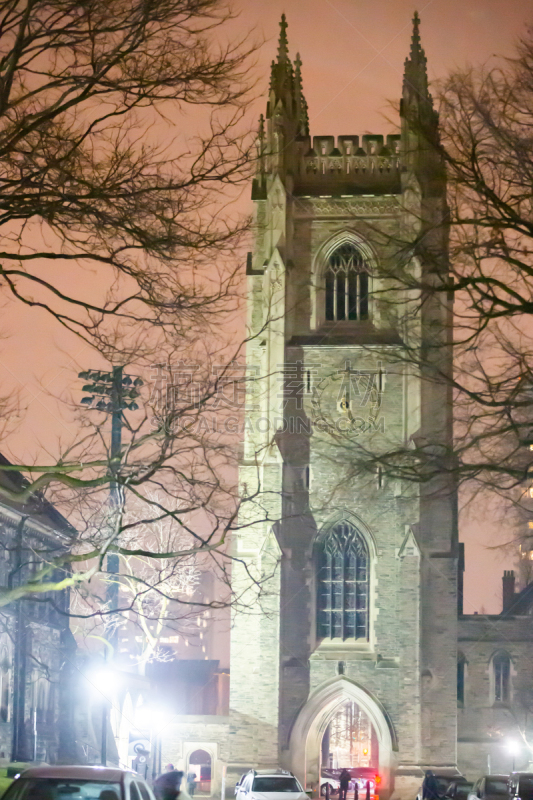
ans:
(346, 284)
(501, 669)
(343, 576)
(461, 677)
(4, 687)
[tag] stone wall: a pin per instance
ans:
(189, 733)
(486, 727)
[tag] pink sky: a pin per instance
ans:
(352, 53)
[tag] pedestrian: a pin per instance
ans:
(167, 785)
(344, 783)
(191, 782)
(368, 790)
(430, 787)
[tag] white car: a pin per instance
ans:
(333, 786)
(71, 783)
(269, 785)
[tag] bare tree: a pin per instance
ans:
(122, 141)
(150, 588)
(97, 171)
(483, 143)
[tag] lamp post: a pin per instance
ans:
(153, 719)
(103, 682)
(514, 749)
(113, 393)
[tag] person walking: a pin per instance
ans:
(344, 783)
(167, 785)
(430, 787)
(191, 782)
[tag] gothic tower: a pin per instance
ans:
(350, 657)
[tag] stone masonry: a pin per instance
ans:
(313, 196)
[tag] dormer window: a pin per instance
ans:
(346, 284)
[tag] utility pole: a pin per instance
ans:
(112, 392)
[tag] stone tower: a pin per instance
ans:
(350, 657)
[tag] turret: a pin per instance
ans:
(287, 119)
(420, 138)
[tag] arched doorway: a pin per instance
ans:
(338, 709)
(200, 765)
(349, 739)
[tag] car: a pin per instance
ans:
(459, 790)
(444, 781)
(269, 785)
(520, 785)
(360, 777)
(490, 787)
(78, 783)
(329, 786)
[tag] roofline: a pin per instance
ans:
(58, 523)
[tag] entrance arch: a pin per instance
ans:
(315, 716)
(200, 763)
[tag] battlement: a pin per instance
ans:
(348, 146)
(352, 165)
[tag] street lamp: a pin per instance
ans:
(113, 393)
(514, 749)
(153, 719)
(104, 682)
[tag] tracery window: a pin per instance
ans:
(346, 284)
(342, 578)
(501, 672)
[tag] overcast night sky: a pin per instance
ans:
(353, 53)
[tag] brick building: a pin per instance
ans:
(352, 656)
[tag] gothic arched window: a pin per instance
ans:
(346, 284)
(501, 674)
(342, 577)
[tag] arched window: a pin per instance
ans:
(4, 686)
(41, 699)
(346, 284)
(461, 679)
(501, 674)
(343, 567)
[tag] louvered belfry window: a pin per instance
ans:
(346, 284)
(343, 572)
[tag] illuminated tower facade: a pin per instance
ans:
(351, 659)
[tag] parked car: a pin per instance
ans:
(457, 790)
(520, 785)
(362, 776)
(490, 787)
(331, 782)
(269, 785)
(71, 783)
(7, 773)
(444, 781)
